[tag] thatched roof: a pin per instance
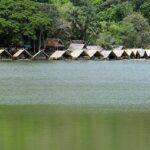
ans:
(59, 54)
(93, 47)
(77, 54)
(56, 43)
(20, 51)
(147, 51)
(128, 51)
(134, 50)
(91, 53)
(74, 47)
(5, 51)
(117, 53)
(140, 53)
(41, 52)
(105, 53)
(1, 51)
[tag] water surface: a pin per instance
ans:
(83, 82)
(77, 105)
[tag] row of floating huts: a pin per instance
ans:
(78, 51)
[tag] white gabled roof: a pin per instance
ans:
(105, 53)
(93, 47)
(91, 53)
(75, 47)
(134, 50)
(40, 52)
(1, 51)
(118, 53)
(20, 51)
(58, 54)
(4, 50)
(128, 51)
(76, 54)
(141, 52)
(147, 51)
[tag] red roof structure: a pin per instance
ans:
(55, 44)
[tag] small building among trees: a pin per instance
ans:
(54, 44)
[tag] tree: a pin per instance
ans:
(145, 10)
(110, 35)
(106, 22)
(140, 35)
(21, 22)
(83, 22)
(115, 12)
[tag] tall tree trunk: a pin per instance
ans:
(34, 45)
(43, 39)
(45, 42)
(40, 40)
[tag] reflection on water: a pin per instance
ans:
(66, 128)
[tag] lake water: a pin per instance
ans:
(75, 105)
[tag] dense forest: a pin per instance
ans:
(108, 23)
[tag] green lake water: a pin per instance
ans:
(75, 105)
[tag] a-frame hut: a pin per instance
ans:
(80, 54)
(76, 46)
(116, 54)
(128, 51)
(140, 53)
(94, 54)
(54, 44)
(131, 53)
(147, 54)
(40, 55)
(105, 54)
(125, 55)
(4, 54)
(60, 55)
(22, 54)
(93, 47)
(134, 52)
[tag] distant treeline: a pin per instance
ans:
(108, 23)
